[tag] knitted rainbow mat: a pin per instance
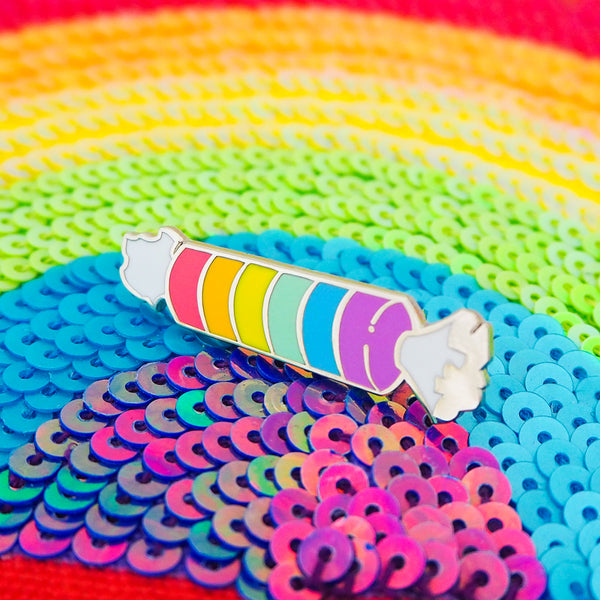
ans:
(449, 149)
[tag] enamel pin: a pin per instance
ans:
(355, 333)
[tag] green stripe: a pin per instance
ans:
(283, 312)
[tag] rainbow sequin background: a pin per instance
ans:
(462, 134)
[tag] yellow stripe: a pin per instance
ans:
(248, 305)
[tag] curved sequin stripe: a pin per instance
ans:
(119, 39)
(135, 488)
(317, 193)
(322, 137)
(558, 26)
(549, 168)
(89, 89)
(23, 119)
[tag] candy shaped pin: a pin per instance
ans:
(355, 333)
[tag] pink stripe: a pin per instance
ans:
(183, 287)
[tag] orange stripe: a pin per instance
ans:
(215, 296)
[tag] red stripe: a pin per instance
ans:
(28, 579)
(572, 24)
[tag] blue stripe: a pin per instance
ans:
(317, 326)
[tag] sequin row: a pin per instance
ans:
(550, 266)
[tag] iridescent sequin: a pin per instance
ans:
(183, 466)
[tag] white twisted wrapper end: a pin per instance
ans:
(146, 262)
(444, 363)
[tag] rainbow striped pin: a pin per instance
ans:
(355, 333)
